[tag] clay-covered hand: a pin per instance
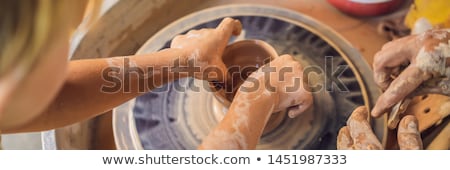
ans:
(358, 134)
(282, 80)
(425, 58)
(203, 48)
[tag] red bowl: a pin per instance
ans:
(366, 8)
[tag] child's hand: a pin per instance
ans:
(281, 80)
(204, 48)
(276, 86)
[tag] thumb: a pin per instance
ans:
(344, 140)
(408, 134)
(229, 27)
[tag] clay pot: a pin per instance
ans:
(241, 59)
(366, 8)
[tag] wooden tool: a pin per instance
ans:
(397, 110)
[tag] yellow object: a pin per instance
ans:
(437, 12)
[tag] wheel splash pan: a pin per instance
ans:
(170, 118)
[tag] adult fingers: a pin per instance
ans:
(361, 131)
(402, 86)
(408, 134)
(391, 56)
(344, 140)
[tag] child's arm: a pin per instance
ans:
(94, 86)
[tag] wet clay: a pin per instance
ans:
(242, 58)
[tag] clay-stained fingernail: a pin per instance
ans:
(408, 134)
(380, 107)
(375, 111)
(409, 123)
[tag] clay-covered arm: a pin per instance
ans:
(243, 124)
(268, 90)
(94, 86)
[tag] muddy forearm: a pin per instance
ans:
(95, 86)
(243, 125)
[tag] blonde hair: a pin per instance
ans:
(26, 26)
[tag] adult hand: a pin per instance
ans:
(358, 134)
(426, 57)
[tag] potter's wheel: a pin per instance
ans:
(178, 115)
